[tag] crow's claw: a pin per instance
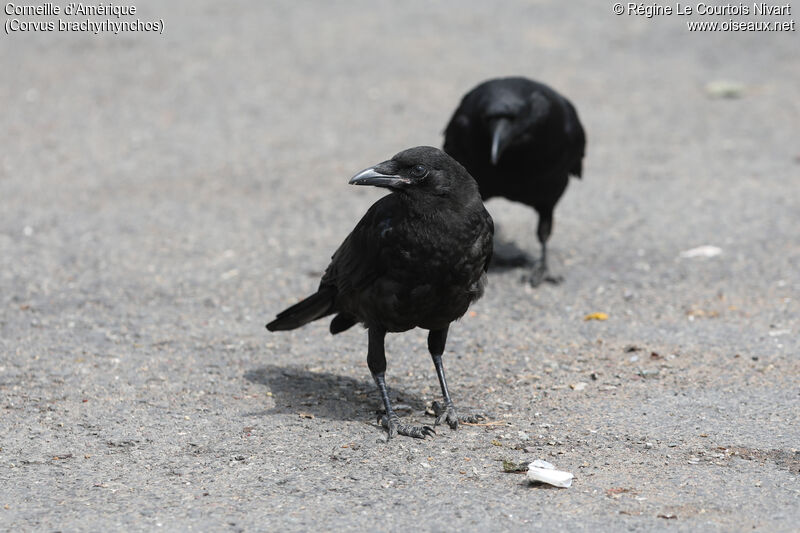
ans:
(473, 418)
(445, 412)
(539, 274)
(394, 427)
(554, 279)
(449, 414)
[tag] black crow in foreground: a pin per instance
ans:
(418, 258)
(520, 140)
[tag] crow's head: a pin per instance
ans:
(422, 170)
(511, 113)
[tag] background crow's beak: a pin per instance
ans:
(501, 136)
(372, 177)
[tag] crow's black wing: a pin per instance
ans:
(359, 261)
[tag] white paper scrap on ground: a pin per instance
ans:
(546, 473)
(701, 251)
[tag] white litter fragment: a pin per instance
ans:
(230, 274)
(544, 472)
(701, 251)
(725, 89)
(779, 332)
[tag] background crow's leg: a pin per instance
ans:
(447, 411)
(539, 272)
(376, 360)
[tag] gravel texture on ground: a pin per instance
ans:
(163, 196)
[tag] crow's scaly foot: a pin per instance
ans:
(554, 279)
(394, 427)
(538, 274)
(473, 418)
(448, 413)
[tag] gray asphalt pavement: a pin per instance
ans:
(162, 196)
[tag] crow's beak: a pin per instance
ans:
(501, 137)
(372, 176)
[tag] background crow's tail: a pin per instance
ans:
(316, 306)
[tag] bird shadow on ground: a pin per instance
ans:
(325, 395)
(508, 256)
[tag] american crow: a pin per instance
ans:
(520, 140)
(418, 258)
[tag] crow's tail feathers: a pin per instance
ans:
(316, 306)
(577, 168)
(342, 322)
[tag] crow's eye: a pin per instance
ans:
(419, 171)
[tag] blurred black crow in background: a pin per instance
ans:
(418, 258)
(520, 140)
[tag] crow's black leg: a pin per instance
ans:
(436, 341)
(376, 360)
(539, 272)
(447, 411)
